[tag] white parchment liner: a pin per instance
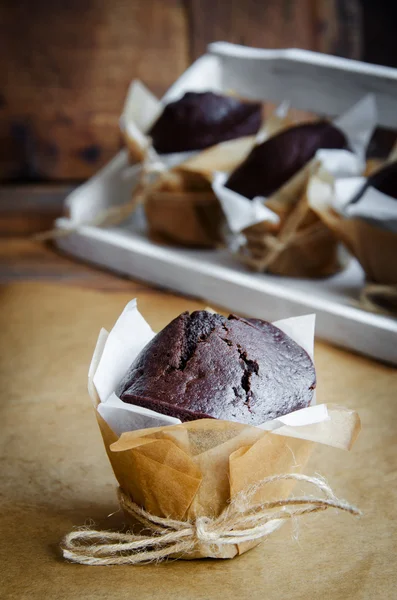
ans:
(373, 206)
(116, 351)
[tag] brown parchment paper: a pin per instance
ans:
(181, 208)
(374, 247)
(191, 470)
(303, 245)
(55, 474)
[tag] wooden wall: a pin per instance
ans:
(66, 65)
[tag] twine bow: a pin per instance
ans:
(243, 520)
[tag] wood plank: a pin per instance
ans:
(28, 260)
(331, 26)
(379, 18)
(25, 210)
(338, 26)
(69, 64)
(379, 45)
(28, 209)
(66, 75)
(325, 25)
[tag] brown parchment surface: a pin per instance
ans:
(55, 474)
(375, 248)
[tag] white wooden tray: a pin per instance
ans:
(215, 277)
(310, 81)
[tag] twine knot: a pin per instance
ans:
(243, 520)
(203, 532)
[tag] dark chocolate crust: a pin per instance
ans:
(384, 180)
(200, 120)
(204, 365)
(272, 163)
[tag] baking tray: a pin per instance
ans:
(310, 81)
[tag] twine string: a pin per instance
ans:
(274, 247)
(114, 215)
(243, 520)
(294, 229)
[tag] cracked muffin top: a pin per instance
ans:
(204, 365)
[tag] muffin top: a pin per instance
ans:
(201, 119)
(203, 365)
(271, 164)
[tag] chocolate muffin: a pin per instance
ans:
(203, 365)
(384, 180)
(199, 120)
(272, 163)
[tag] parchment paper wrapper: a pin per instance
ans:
(282, 234)
(303, 247)
(181, 208)
(141, 110)
(179, 202)
(368, 228)
(193, 469)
